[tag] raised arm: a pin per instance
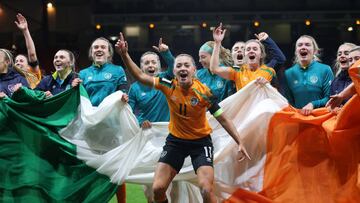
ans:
(218, 35)
(121, 48)
(21, 23)
(169, 59)
(276, 56)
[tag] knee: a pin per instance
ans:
(159, 190)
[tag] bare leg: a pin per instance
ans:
(121, 193)
(206, 182)
(164, 174)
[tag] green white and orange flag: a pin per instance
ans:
(36, 164)
(64, 150)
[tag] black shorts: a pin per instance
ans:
(176, 150)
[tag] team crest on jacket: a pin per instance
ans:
(11, 88)
(314, 79)
(194, 101)
(219, 84)
(107, 76)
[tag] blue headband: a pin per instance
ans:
(206, 48)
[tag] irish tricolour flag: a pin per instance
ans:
(64, 150)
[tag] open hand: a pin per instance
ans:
(242, 153)
(334, 101)
(21, 23)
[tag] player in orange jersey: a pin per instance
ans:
(188, 101)
(253, 68)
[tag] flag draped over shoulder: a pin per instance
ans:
(36, 164)
(64, 149)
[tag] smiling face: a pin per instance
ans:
(62, 60)
(305, 50)
(204, 59)
(253, 53)
(343, 56)
(150, 64)
(184, 70)
(100, 51)
(4, 62)
(21, 62)
(237, 53)
(354, 56)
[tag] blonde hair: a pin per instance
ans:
(8, 56)
(224, 56)
(316, 49)
(355, 48)
(337, 68)
(150, 53)
(110, 49)
(262, 49)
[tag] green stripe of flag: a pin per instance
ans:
(36, 164)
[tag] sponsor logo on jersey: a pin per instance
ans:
(163, 153)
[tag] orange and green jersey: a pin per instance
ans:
(244, 75)
(187, 108)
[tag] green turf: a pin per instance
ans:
(134, 194)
